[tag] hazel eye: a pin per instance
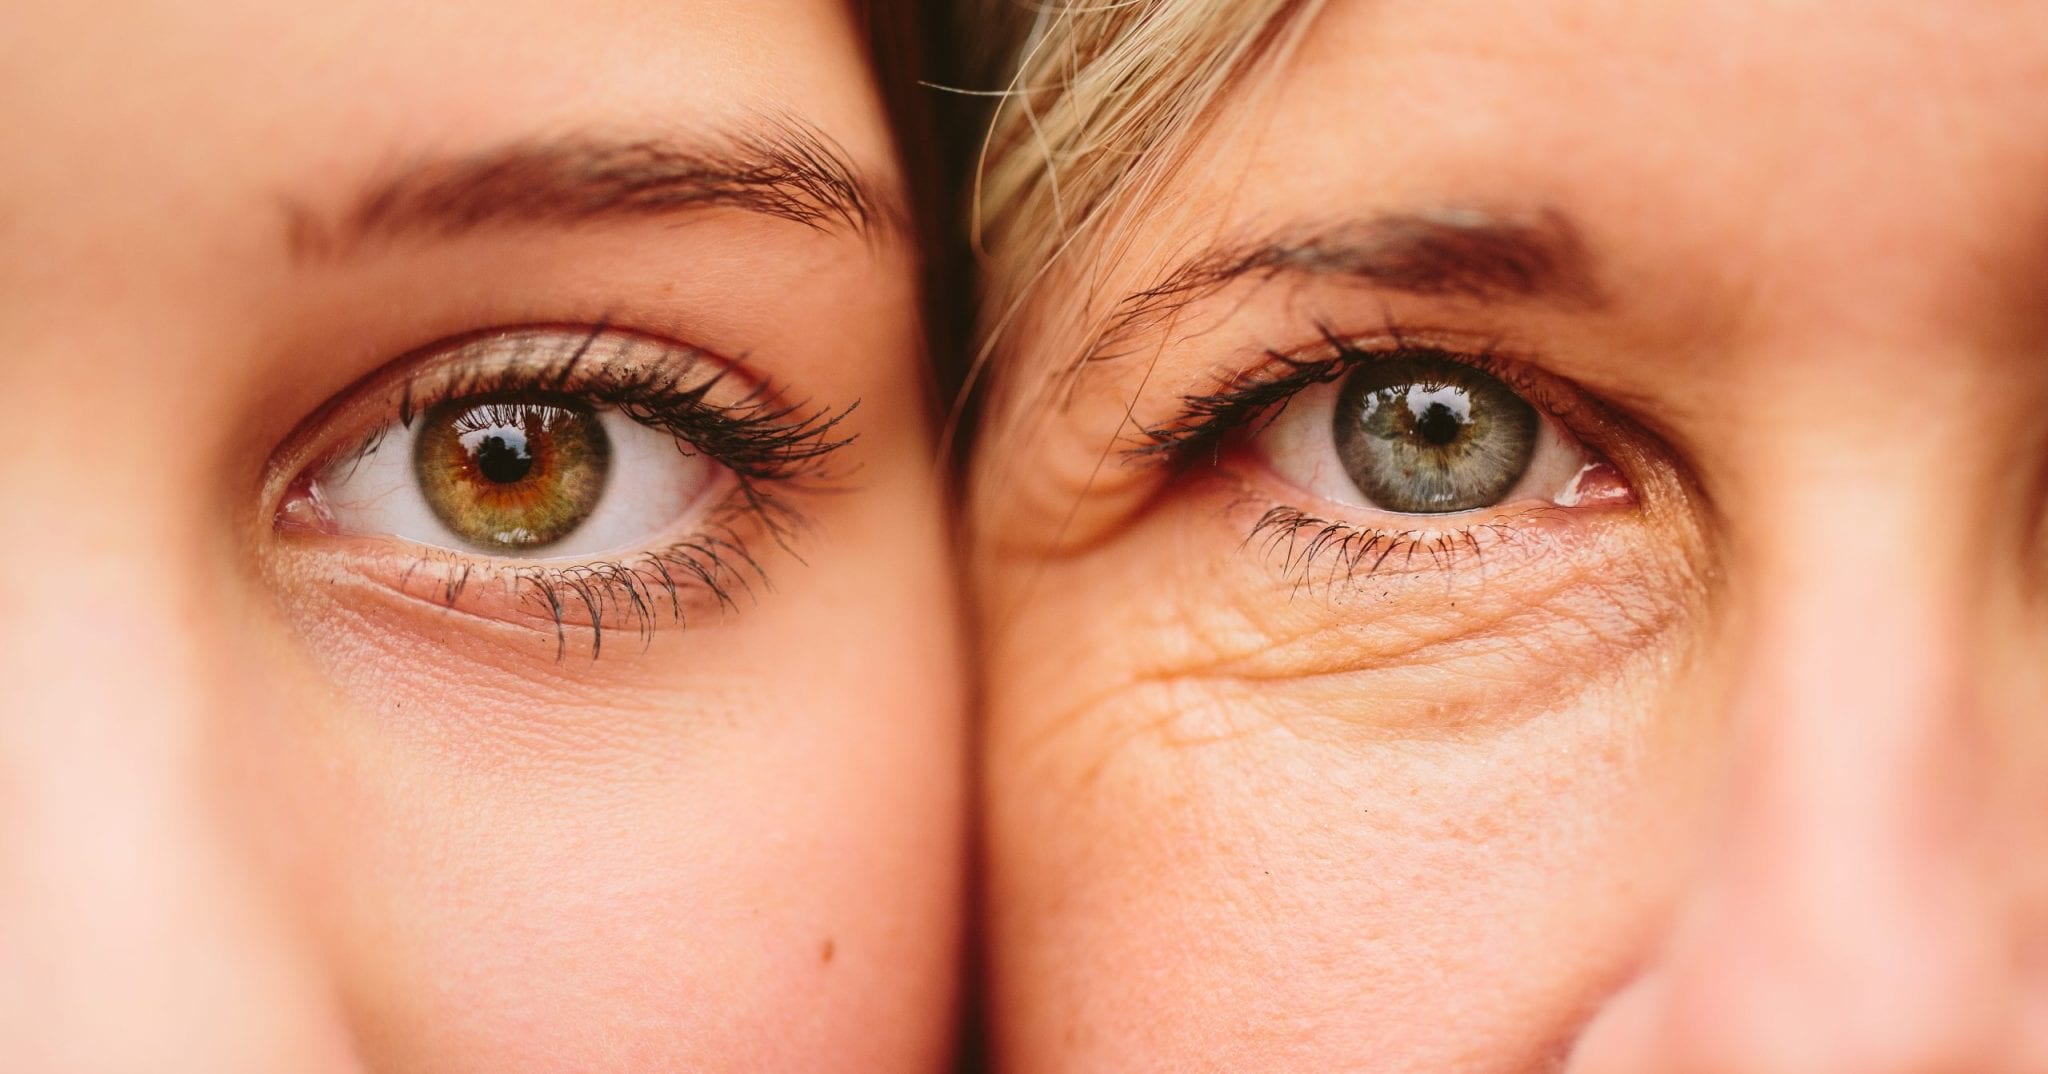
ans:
(512, 474)
(523, 474)
(1419, 433)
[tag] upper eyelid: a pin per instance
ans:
(395, 383)
(1243, 395)
(556, 356)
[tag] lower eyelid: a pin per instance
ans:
(570, 605)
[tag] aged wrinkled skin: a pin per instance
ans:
(1746, 775)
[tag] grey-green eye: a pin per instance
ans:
(1423, 435)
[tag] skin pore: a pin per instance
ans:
(1716, 749)
(291, 778)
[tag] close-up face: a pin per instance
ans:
(1519, 547)
(478, 592)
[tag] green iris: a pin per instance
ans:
(1424, 435)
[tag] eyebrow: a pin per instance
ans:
(1460, 253)
(783, 169)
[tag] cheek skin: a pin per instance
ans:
(1337, 896)
(1421, 638)
(1349, 814)
(680, 853)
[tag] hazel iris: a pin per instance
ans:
(1426, 435)
(512, 473)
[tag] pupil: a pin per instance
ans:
(1439, 424)
(504, 460)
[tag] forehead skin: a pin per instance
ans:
(1820, 233)
(417, 75)
(1775, 137)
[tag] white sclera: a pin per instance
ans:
(651, 484)
(1301, 446)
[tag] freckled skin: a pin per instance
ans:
(1740, 772)
(267, 809)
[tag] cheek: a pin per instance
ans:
(631, 926)
(1451, 904)
(734, 847)
(1352, 816)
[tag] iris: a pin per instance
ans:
(510, 473)
(1424, 435)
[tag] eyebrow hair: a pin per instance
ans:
(1442, 252)
(784, 169)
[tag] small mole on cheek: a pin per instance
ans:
(826, 950)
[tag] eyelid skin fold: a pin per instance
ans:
(762, 448)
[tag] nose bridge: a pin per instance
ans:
(1855, 795)
(1848, 918)
(135, 931)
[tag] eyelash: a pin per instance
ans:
(770, 447)
(1243, 403)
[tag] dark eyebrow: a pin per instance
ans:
(784, 169)
(1447, 252)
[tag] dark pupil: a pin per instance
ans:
(1422, 434)
(503, 456)
(1439, 425)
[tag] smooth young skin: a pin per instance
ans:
(265, 807)
(1744, 775)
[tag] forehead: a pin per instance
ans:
(193, 105)
(1644, 87)
(1765, 135)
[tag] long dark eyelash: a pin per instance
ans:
(755, 436)
(1250, 401)
(769, 445)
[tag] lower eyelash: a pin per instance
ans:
(1319, 552)
(637, 592)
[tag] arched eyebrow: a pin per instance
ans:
(784, 169)
(1459, 253)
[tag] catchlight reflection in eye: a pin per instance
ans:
(1422, 434)
(512, 474)
(528, 475)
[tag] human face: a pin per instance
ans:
(1682, 715)
(384, 690)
